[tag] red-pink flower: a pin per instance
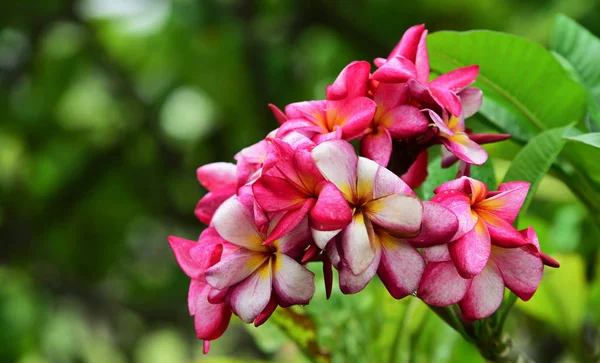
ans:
(211, 317)
(482, 215)
(385, 209)
(256, 273)
(394, 119)
(519, 269)
(292, 184)
(409, 63)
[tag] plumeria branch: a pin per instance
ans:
(303, 194)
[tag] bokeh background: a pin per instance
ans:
(107, 107)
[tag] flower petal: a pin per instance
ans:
(388, 96)
(280, 227)
(294, 242)
(471, 99)
(350, 283)
(249, 298)
(457, 79)
(387, 183)
(396, 70)
(235, 223)
(210, 320)
(471, 252)
(276, 194)
(409, 43)
(405, 121)
(322, 238)
(266, 313)
(357, 245)
(521, 270)
(208, 205)
(502, 233)
(293, 284)
(438, 253)
(401, 266)
(439, 225)
(447, 99)
(465, 149)
(398, 213)
(351, 82)
(352, 115)
(279, 115)
(337, 161)
(234, 268)
(331, 211)
(377, 146)
(194, 257)
(216, 176)
(458, 203)
(485, 294)
(441, 285)
(508, 203)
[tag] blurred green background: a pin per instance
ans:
(107, 107)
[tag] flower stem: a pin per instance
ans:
(500, 349)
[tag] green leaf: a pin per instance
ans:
(592, 139)
(580, 47)
(535, 159)
(522, 82)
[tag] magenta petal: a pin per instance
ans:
(266, 313)
(457, 79)
(216, 176)
(208, 205)
(234, 268)
(471, 252)
(521, 270)
(350, 283)
(288, 221)
(459, 203)
(194, 257)
(396, 70)
(471, 99)
(439, 123)
(293, 284)
(294, 242)
(279, 115)
(351, 82)
(441, 285)
(465, 149)
(439, 226)
(422, 59)
(409, 43)
(331, 211)
(485, 294)
(216, 296)
(417, 172)
(447, 99)
(401, 266)
(388, 96)
(386, 183)
(502, 233)
(377, 146)
(356, 244)
(277, 194)
(210, 320)
(508, 203)
(405, 121)
(354, 116)
(249, 298)
(437, 253)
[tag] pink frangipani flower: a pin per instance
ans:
(519, 269)
(293, 185)
(482, 215)
(211, 318)
(394, 119)
(384, 208)
(255, 273)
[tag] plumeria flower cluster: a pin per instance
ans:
(303, 194)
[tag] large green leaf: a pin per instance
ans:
(526, 89)
(581, 48)
(536, 158)
(592, 139)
